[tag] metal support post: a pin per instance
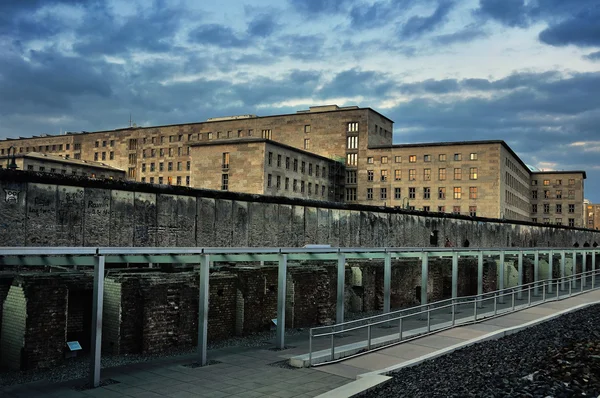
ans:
(96, 343)
(424, 277)
(400, 329)
(536, 272)
(387, 282)
(480, 279)
(593, 269)
(574, 270)
(520, 276)
(203, 308)
(501, 277)
(454, 275)
(562, 270)
(583, 270)
(281, 293)
(550, 273)
(341, 282)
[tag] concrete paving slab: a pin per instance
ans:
(340, 369)
(374, 361)
(462, 333)
(407, 351)
(437, 341)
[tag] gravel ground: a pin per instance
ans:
(77, 368)
(559, 358)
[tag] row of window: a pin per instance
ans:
(516, 170)
(44, 148)
(278, 161)
(557, 221)
(352, 158)
(42, 169)
(426, 193)
(514, 200)
(412, 174)
(303, 185)
(162, 152)
(265, 133)
(546, 207)
(101, 155)
(178, 180)
(516, 184)
(558, 194)
(557, 182)
(161, 166)
(104, 143)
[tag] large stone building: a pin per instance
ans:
(483, 178)
(592, 215)
(557, 197)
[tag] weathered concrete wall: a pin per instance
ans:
(43, 210)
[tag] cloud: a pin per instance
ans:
(320, 7)
(468, 34)
(374, 15)
(354, 82)
(582, 30)
(262, 25)
(507, 12)
(595, 56)
(217, 35)
(417, 26)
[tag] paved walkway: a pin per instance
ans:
(254, 372)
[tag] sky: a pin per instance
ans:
(523, 71)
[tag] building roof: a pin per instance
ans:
(61, 159)
(240, 141)
(313, 110)
(561, 172)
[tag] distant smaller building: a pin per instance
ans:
(265, 167)
(592, 215)
(557, 198)
(46, 163)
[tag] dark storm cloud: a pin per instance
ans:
(582, 30)
(217, 35)
(320, 7)
(354, 82)
(508, 12)
(465, 35)
(417, 25)
(262, 25)
(595, 56)
(374, 15)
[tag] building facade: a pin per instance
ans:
(45, 163)
(483, 178)
(557, 198)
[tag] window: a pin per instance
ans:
(224, 182)
(310, 169)
(571, 208)
(170, 151)
(302, 186)
(398, 175)
(426, 193)
(278, 160)
(352, 159)
(442, 193)
(270, 159)
(170, 166)
(307, 128)
(558, 182)
(269, 180)
(559, 208)
(153, 153)
(398, 159)
(77, 147)
(456, 209)
(130, 173)
(132, 157)
(571, 194)
(309, 189)
(278, 183)
(369, 193)
(287, 162)
(472, 192)
(111, 155)
(473, 156)
(151, 180)
(210, 136)
(351, 177)
(546, 208)
(178, 180)
(546, 221)
(143, 167)
(295, 186)
(317, 170)
(559, 221)
(397, 193)
(412, 159)
(296, 165)
(571, 222)
(473, 173)
(52, 170)
(96, 144)
(143, 178)
(412, 175)
(350, 194)
(287, 183)
(427, 158)
(546, 194)
(442, 158)
(473, 209)
(303, 167)
(220, 134)
(534, 220)
(384, 175)
(412, 193)
(383, 194)
(162, 152)
(546, 182)
(534, 208)
(441, 209)
(534, 182)
(95, 155)
(458, 174)
(179, 166)
(161, 166)
(534, 194)
(384, 159)
(152, 167)
(188, 165)
(442, 174)
(427, 175)
(370, 160)
(352, 142)
(457, 193)
(77, 156)
(132, 144)
(559, 194)
(457, 156)
(307, 143)
(353, 126)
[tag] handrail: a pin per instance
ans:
(337, 329)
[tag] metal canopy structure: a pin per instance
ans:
(204, 258)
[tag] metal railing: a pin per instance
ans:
(536, 293)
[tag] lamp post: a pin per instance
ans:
(11, 163)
